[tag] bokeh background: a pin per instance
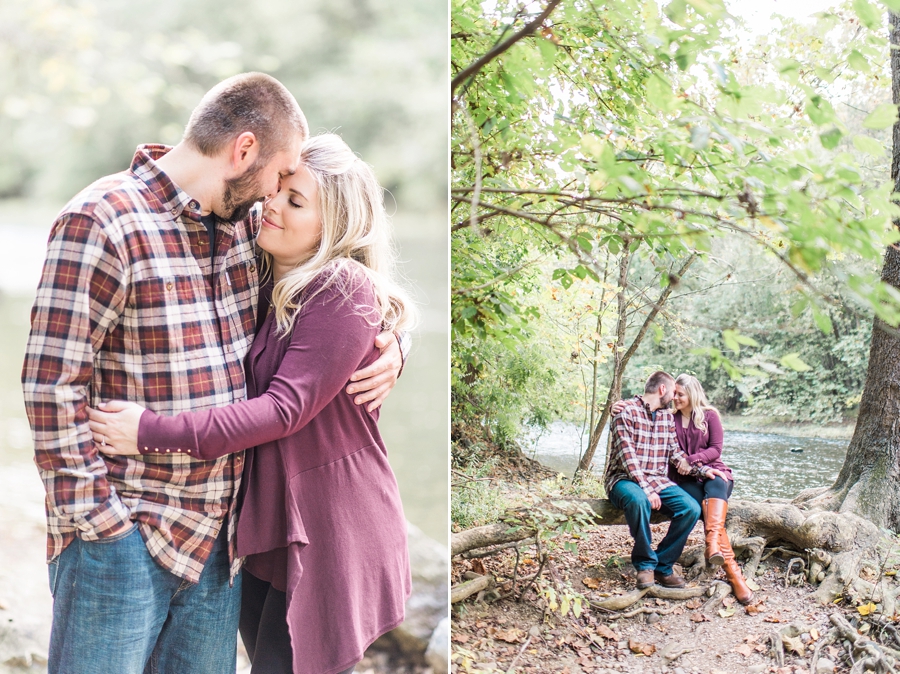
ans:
(83, 82)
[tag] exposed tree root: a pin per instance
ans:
(867, 654)
(719, 591)
(470, 587)
(787, 636)
(623, 601)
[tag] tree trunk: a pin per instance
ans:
(869, 482)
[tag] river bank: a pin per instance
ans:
(796, 429)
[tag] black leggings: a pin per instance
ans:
(264, 628)
(715, 488)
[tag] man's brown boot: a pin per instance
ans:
(714, 511)
(733, 572)
(645, 579)
(672, 580)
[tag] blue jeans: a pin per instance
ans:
(684, 511)
(116, 610)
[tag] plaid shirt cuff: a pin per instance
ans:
(105, 518)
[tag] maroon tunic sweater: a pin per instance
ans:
(704, 448)
(321, 513)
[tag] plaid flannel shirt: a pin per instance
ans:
(130, 306)
(642, 447)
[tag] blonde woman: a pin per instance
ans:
(321, 524)
(704, 476)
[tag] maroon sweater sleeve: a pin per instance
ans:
(329, 341)
(716, 435)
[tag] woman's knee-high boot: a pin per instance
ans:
(742, 591)
(714, 511)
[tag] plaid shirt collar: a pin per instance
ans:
(172, 199)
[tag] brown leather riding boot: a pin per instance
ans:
(733, 572)
(714, 511)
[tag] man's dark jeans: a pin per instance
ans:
(116, 611)
(677, 503)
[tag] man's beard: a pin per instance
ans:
(242, 193)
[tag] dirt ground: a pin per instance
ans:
(517, 633)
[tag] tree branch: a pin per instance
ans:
(473, 68)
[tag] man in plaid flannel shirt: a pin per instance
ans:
(148, 294)
(644, 444)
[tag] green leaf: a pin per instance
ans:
(868, 13)
(823, 321)
(831, 138)
(869, 145)
(659, 93)
(548, 51)
(799, 307)
(858, 62)
(820, 111)
(793, 362)
(576, 607)
(728, 336)
(882, 117)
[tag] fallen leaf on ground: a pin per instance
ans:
(478, 567)
(760, 648)
(511, 636)
(793, 644)
(814, 633)
(593, 583)
(607, 633)
(726, 612)
(744, 649)
(728, 601)
(774, 619)
(638, 647)
(699, 618)
(460, 638)
(866, 609)
(753, 609)
(694, 603)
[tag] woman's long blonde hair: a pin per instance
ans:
(356, 237)
(697, 397)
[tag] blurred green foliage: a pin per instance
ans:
(82, 82)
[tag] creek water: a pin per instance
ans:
(414, 419)
(765, 465)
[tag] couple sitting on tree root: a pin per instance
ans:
(670, 462)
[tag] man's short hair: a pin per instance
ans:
(253, 102)
(657, 379)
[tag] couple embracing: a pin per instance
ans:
(671, 462)
(176, 325)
